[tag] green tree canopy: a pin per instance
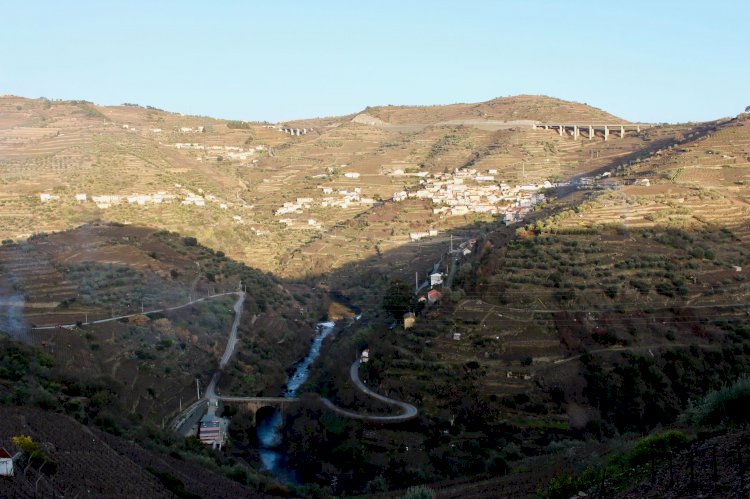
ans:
(398, 299)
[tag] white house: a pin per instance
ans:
(365, 356)
(81, 197)
(399, 196)
(436, 278)
(351, 175)
(6, 463)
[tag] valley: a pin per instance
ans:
(591, 289)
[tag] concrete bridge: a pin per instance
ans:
(254, 404)
(592, 130)
(295, 131)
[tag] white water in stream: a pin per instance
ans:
(269, 428)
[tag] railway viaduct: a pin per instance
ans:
(592, 130)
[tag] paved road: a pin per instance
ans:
(210, 395)
(210, 399)
(188, 418)
(102, 321)
(408, 410)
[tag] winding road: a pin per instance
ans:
(408, 410)
(184, 422)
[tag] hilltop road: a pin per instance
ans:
(102, 321)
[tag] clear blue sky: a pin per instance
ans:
(649, 61)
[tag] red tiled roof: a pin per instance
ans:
(4, 454)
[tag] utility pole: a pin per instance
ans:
(451, 243)
(198, 387)
(416, 281)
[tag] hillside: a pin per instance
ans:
(607, 313)
(596, 285)
(90, 463)
(77, 277)
(517, 108)
(64, 163)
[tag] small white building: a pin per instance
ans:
(6, 463)
(436, 278)
(365, 357)
(81, 197)
(351, 175)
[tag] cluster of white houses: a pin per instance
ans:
(225, 152)
(466, 191)
(459, 193)
(333, 198)
(105, 201)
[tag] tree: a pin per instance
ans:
(34, 454)
(747, 109)
(398, 299)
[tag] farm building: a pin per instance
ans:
(434, 296)
(6, 463)
(436, 278)
(212, 431)
(409, 320)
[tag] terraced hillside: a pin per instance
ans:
(643, 268)
(90, 463)
(607, 312)
(58, 288)
(64, 163)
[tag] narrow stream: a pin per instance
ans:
(269, 428)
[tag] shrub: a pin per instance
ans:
(566, 485)
(377, 484)
(419, 492)
(34, 454)
(656, 446)
(724, 407)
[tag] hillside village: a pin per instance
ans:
(105, 201)
(468, 191)
(454, 194)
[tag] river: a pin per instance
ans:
(269, 428)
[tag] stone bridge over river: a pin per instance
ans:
(254, 404)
